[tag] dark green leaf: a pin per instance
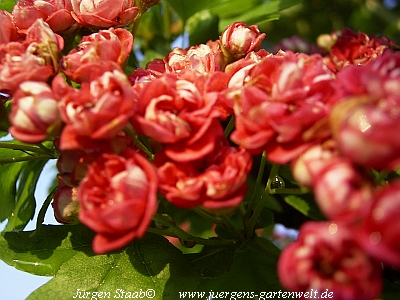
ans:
(213, 261)
(253, 270)
(149, 265)
(306, 205)
(7, 5)
(25, 200)
(391, 291)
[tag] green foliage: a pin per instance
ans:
(149, 263)
(152, 262)
(306, 205)
(7, 5)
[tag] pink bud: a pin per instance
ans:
(34, 112)
(238, 39)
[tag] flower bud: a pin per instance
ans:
(238, 39)
(66, 205)
(34, 113)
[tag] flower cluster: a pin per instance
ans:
(122, 139)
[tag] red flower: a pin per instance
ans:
(97, 53)
(325, 256)
(8, 31)
(380, 232)
(104, 13)
(365, 120)
(34, 113)
(180, 113)
(200, 58)
(284, 106)
(118, 199)
(34, 59)
(98, 111)
(217, 182)
(366, 131)
(56, 13)
(355, 48)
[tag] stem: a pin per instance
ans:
(24, 158)
(186, 237)
(231, 226)
(161, 232)
(42, 212)
(41, 149)
(256, 213)
(167, 23)
(207, 216)
(230, 126)
(129, 130)
(260, 174)
(226, 222)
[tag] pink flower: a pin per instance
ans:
(366, 131)
(352, 48)
(365, 119)
(104, 13)
(200, 58)
(56, 13)
(284, 106)
(379, 233)
(180, 113)
(238, 39)
(34, 59)
(217, 182)
(8, 31)
(97, 53)
(98, 111)
(325, 256)
(118, 199)
(34, 113)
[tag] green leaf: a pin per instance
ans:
(25, 200)
(44, 253)
(65, 253)
(224, 8)
(306, 205)
(7, 5)
(391, 291)
(202, 27)
(212, 261)
(253, 270)
(8, 177)
(264, 12)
